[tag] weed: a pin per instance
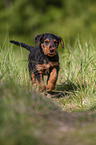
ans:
(29, 118)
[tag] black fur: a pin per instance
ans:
(37, 55)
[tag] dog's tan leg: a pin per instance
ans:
(42, 83)
(33, 78)
(52, 80)
(35, 82)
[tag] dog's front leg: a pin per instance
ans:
(42, 86)
(38, 81)
(52, 80)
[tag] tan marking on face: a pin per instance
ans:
(55, 40)
(46, 48)
(46, 40)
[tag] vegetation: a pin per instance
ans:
(68, 18)
(29, 118)
(78, 76)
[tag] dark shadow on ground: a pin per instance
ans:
(66, 86)
(64, 89)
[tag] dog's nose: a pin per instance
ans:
(51, 50)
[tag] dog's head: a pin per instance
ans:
(49, 43)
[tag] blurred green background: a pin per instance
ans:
(23, 19)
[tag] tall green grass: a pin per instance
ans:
(77, 77)
(13, 67)
(28, 118)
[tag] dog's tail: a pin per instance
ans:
(28, 47)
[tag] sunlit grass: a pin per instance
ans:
(28, 118)
(13, 67)
(77, 77)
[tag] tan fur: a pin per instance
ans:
(52, 80)
(41, 67)
(46, 49)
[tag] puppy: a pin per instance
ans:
(43, 59)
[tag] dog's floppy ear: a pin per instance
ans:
(38, 38)
(60, 40)
(62, 43)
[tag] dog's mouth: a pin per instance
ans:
(51, 54)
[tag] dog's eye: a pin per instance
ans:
(46, 42)
(55, 42)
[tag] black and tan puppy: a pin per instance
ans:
(43, 59)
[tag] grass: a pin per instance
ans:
(27, 117)
(78, 77)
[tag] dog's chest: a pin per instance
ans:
(42, 63)
(45, 68)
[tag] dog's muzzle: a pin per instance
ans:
(51, 50)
